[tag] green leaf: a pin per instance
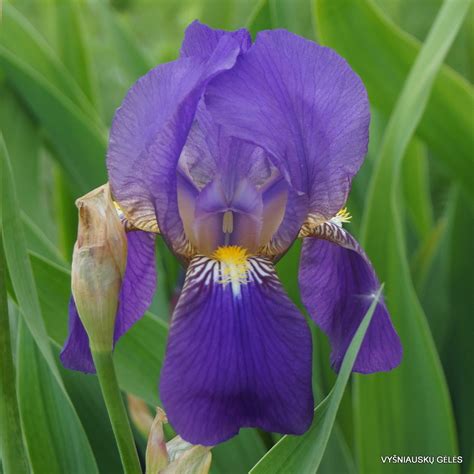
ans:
(53, 433)
(21, 39)
(293, 15)
(239, 454)
(417, 17)
(117, 56)
(12, 450)
(80, 144)
(126, 50)
(457, 353)
(392, 410)
(27, 299)
(37, 241)
(23, 140)
(382, 55)
(260, 18)
(224, 14)
(429, 267)
(18, 262)
(75, 55)
(73, 45)
(416, 188)
(71, 123)
(303, 454)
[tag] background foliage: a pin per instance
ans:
(65, 66)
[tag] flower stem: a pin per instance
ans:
(117, 413)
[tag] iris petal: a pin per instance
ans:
(222, 218)
(136, 293)
(337, 284)
(295, 213)
(200, 40)
(238, 355)
(148, 134)
(304, 105)
(233, 175)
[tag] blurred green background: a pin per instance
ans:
(65, 66)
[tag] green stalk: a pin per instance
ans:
(11, 441)
(116, 409)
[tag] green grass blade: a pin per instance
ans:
(125, 48)
(457, 353)
(303, 454)
(54, 437)
(382, 55)
(293, 15)
(74, 47)
(66, 214)
(260, 18)
(74, 52)
(416, 188)
(429, 268)
(117, 55)
(70, 120)
(23, 140)
(12, 450)
(393, 413)
(239, 454)
(18, 262)
(417, 17)
(26, 294)
(37, 241)
(22, 40)
(80, 144)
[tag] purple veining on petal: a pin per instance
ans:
(136, 293)
(304, 105)
(76, 354)
(139, 282)
(337, 284)
(236, 359)
(149, 131)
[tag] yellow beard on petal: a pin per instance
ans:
(234, 266)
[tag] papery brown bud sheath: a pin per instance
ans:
(156, 453)
(98, 266)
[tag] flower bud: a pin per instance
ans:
(176, 456)
(98, 266)
(156, 453)
(187, 458)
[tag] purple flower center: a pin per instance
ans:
(231, 197)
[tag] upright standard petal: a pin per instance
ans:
(200, 40)
(135, 296)
(148, 134)
(238, 355)
(305, 106)
(338, 284)
(234, 178)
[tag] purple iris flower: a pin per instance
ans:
(231, 152)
